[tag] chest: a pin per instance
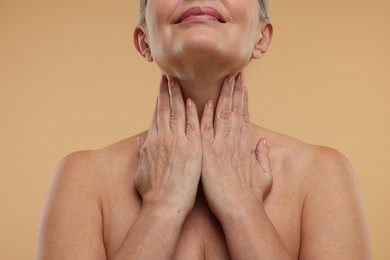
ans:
(202, 236)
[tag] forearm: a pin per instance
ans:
(251, 235)
(154, 233)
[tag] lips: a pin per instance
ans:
(201, 11)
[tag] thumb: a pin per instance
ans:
(140, 143)
(262, 155)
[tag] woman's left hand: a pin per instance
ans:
(235, 173)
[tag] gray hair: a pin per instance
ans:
(263, 4)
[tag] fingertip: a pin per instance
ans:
(262, 148)
(228, 85)
(140, 142)
(264, 144)
(210, 105)
(191, 108)
(189, 103)
(171, 82)
(163, 84)
(240, 77)
(164, 79)
(230, 79)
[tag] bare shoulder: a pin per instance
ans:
(333, 221)
(81, 185)
(111, 159)
(303, 159)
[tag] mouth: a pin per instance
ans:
(203, 13)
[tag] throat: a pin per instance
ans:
(201, 90)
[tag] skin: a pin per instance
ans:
(203, 182)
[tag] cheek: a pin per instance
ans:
(157, 19)
(246, 18)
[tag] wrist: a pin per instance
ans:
(241, 211)
(165, 210)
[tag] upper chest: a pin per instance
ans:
(202, 236)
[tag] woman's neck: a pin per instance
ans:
(200, 91)
(202, 86)
(202, 78)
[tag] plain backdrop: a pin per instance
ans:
(70, 79)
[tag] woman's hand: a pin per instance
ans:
(170, 160)
(234, 173)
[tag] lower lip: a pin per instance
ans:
(200, 18)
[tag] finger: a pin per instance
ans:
(246, 128)
(140, 143)
(238, 103)
(207, 124)
(223, 110)
(177, 113)
(192, 120)
(246, 115)
(163, 107)
(153, 124)
(262, 156)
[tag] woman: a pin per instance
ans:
(203, 182)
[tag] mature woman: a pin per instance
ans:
(203, 182)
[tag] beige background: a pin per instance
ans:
(70, 79)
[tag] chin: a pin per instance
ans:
(199, 44)
(202, 50)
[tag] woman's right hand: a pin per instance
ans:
(170, 160)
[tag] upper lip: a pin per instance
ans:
(200, 10)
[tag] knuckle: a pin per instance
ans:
(161, 141)
(237, 110)
(227, 91)
(163, 109)
(224, 116)
(175, 116)
(208, 128)
(192, 128)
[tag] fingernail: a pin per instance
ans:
(230, 80)
(210, 104)
(171, 85)
(139, 142)
(171, 82)
(189, 102)
(240, 77)
(164, 79)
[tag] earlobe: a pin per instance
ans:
(263, 41)
(141, 43)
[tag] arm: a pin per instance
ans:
(237, 177)
(154, 233)
(250, 234)
(167, 178)
(334, 225)
(71, 224)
